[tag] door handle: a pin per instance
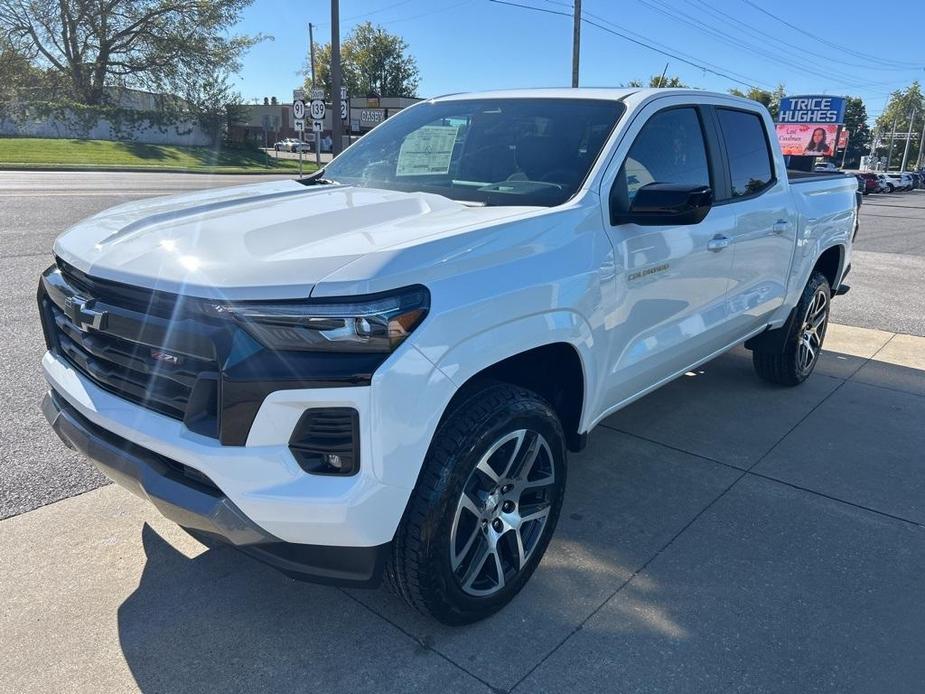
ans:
(780, 226)
(717, 243)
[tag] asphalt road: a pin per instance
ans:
(34, 208)
(887, 292)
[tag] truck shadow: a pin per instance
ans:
(220, 621)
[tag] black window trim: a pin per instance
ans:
(724, 155)
(715, 160)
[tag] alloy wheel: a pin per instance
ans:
(813, 331)
(502, 512)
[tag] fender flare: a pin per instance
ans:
(478, 352)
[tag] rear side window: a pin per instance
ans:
(669, 149)
(747, 149)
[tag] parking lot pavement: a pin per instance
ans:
(717, 534)
(888, 266)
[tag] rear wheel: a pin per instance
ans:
(803, 344)
(484, 508)
(890, 188)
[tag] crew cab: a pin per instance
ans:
(378, 371)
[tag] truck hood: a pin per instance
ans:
(263, 241)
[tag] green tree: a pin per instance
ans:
(160, 45)
(858, 131)
(770, 99)
(900, 108)
(373, 61)
(672, 81)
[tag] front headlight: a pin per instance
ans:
(377, 323)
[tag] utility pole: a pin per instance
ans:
(902, 167)
(337, 125)
(576, 42)
(311, 51)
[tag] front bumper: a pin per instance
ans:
(192, 500)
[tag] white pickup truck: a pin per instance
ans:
(377, 371)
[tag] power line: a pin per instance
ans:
(679, 16)
(531, 7)
(856, 54)
(662, 47)
(755, 31)
(699, 65)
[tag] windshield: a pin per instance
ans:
(491, 151)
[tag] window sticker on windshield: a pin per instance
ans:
(427, 151)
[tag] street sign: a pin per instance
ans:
(298, 94)
(317, 93)
(344, 104)
(371, 117)
(316, 126)
(298, 109)
(299, 125)
(317, 109)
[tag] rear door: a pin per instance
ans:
(671, 280)
(764, 235)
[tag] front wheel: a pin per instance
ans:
(484, 508)
(890, 188)
(803, 344)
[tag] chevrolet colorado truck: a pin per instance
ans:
(377, 372)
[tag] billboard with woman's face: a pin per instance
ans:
(807, 139)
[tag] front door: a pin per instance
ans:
(670, 308)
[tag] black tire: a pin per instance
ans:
(421, 567)
(890, 188)
(790, 366)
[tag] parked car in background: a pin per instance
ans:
(890, 182)
(290, 144)
(825, 167)
(378, 371)
(871, 183)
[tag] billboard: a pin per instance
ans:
(807, 140)
(812, 109)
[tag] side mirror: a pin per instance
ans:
(670, 204)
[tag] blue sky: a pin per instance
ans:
(480, 44)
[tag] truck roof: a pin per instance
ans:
(606, 93)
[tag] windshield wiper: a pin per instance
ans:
(316, 179)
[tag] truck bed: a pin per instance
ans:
(795, 176)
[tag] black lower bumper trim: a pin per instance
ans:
(197, 505)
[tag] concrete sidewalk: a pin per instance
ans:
(721, 533)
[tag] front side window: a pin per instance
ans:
(670, 148)
(747, 150)
(517, 151)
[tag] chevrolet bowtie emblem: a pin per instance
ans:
(83, 315)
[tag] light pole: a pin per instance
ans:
(311, 51)
(889, 154)
(920, 161)
(337, 125)
(902, 167)
(576, 42)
